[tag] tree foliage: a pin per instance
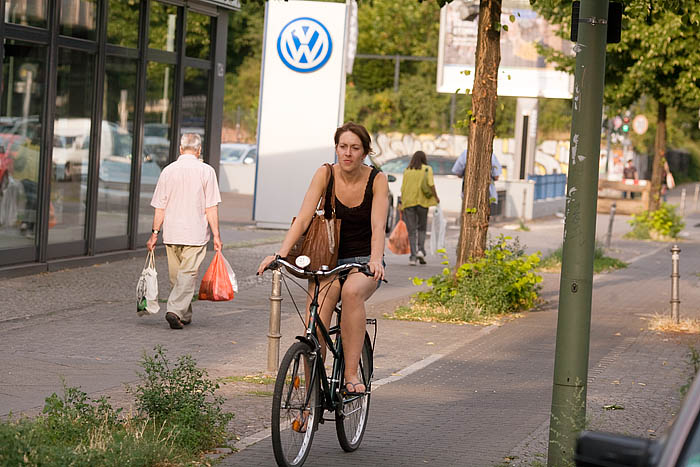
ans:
(386, 27)
(657, 57)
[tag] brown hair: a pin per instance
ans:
(418, 160)
(361, 133)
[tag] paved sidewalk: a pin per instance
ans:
(482, 393)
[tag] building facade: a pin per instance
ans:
(94, 96)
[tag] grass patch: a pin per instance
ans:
(253, 379)
(443, 314)
(601, 262)
(261, 393)
(178, 419)
(502, 282)
(664, 323)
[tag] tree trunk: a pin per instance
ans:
(477, 173)
(657, 167)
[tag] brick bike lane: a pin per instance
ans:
(478, 404)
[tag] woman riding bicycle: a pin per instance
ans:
(362, 204)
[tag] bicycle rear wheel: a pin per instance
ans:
(294, 421)
(351, 417)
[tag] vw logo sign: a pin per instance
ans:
(304, 45)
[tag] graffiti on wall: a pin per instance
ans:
(551, 156)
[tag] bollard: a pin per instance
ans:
(613, 208)
(273, 334)
(675, 276)
(522, 212)
(697, 192)
(682, 202)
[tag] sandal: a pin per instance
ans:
(354, 392)
(301, 422)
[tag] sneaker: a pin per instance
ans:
(412, 262)
(421, 257)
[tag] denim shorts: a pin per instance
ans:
(358, 259)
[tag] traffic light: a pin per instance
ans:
(625, 124)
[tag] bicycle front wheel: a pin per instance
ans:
(295, 408)
(351, 416)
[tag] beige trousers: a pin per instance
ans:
(183, 267)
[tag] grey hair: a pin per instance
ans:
(191, 141)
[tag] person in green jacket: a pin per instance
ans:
(417, 195)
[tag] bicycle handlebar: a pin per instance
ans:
(362, 267)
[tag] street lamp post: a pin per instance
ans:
(575, 291)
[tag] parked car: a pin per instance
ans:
(448, 186)
(679, 447)
(239, 153)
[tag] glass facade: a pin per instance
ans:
(116, 147)
(194, 102)
(78, 19)
(122, 16)
(71, 144)
(82, 143)
(26, 12)
(21, 123)
(162, 27)
(198, 37)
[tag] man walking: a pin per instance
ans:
(185, 200)
(461, 164)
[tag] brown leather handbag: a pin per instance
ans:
(320, 241)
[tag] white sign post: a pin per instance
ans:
(302, 93)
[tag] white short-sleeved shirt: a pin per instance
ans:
(185, 189)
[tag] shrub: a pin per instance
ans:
(503, 281)
(182, 397)
(179, 418)
(664, 223)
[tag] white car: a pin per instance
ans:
(447, 185)
(239, 153)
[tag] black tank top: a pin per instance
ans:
(356, 225)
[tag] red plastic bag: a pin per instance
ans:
(216, 285)
(398, 240)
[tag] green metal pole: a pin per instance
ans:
(575, 291)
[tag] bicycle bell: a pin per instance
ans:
(303, 261)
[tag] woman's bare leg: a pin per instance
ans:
(356, 290)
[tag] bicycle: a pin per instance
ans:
(303, 390)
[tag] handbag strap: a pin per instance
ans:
(331, 183)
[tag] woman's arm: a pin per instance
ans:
(380, 207)
(306, 213)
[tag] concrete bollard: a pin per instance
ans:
(273, 334)
(682, 202)
(675, 276)
(608, 238)
(697, 192)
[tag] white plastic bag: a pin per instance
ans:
(147, 288)
(231, 276)
(437, 230)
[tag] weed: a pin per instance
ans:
(501, 282)
(662, 224)
(181, 397)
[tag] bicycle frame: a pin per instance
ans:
(329, 385)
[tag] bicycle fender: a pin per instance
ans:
(306, 340)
